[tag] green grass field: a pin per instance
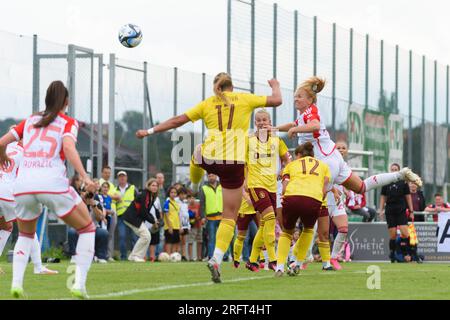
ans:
(126, 280)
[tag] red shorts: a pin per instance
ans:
(262, 199)
(305, 208)
(231, 175)
(244, 220)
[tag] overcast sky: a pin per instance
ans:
(192, 34)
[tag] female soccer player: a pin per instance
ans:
(247, 213)
(265, 150)
(309, 128)
(305, 185)
(227, 118)
(8, 207)
(49, 138)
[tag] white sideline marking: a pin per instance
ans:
(198, 284)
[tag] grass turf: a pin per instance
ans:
(189, 280)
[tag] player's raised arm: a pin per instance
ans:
(275, 99)
(172, 123)
(4, 141)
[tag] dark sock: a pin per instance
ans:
(404, 246)
(392, 245)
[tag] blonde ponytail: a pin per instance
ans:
(222, 81)
(312, 86)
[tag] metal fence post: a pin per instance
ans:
(252, 48)
(175, 107)
(350, 77)
(100, 117)
(203, 98)
(381, 67)
(367, 73)
(435, 129)
(396, 77)
(111, 125)
(295, 57)
(145, 124)
(315, 46)
(410, 133)
(229, 37)
(71, 79)
(36, 75)
(422, 155)
(333, 99)
(91, 101)
(446, 117)
(275, 39)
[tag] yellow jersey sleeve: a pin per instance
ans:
(326, 171)
(197, 112)
(286, 169)
(282, 148)
(255, 101)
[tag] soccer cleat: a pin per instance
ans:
(335, 264)
(213, 267)
(329, 268)
(279, 274)
(45, 270)
(17, 293)
(293, 271)
(273, 265)
(79, 294)
(236, 264)
(262, 263)
(252, 266)
(410, 176)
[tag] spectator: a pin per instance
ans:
(211, 207)
(155, 210)
(397, 198)
(196, 232)
(356, 204)
(162, 195)
(171, 214)
(184, 220)
(76, 183)
(112, 216)
(101, 235)
(438, 206)
(135, 216)
(127, 195)
(418, 201)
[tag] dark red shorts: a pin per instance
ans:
(305, 208)
(244, 220)
(231, 175)
(262, 199)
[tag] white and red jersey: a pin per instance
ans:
(7, 177)
(355, 199)
(323, 145)
(42, 169)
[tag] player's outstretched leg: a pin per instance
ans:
(284, 244)
(237, 249)
(301, 249)
(20, 261)
(35, 255)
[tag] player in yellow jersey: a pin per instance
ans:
(247, 213)
(305, 184)
(226, 115)
(265, 150)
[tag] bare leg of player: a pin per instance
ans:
(5, 232)
(80, 220)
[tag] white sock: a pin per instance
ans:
(35, 254)
(218, 255)
(280, 267)
(298, 263)
(20, 260)
(326, 264)
(382, 179)
(84, 255)
(4, 236)
(338, 244)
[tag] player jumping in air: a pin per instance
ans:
(227, 117)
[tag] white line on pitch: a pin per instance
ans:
(130, 292)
